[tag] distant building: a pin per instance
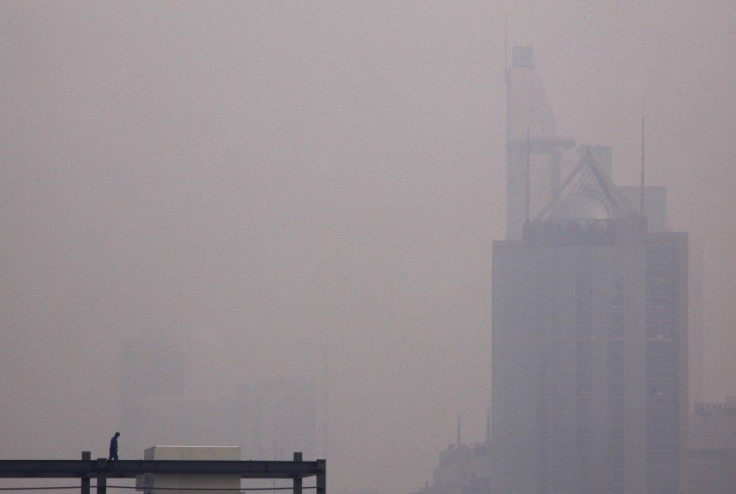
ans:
(712, 452)
(278, 417)
(270, 418)
(153, 373)
(590, 348)
(462, 469)
(179, 420)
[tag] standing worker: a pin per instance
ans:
(114, 447)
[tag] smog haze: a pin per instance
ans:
(252, 179)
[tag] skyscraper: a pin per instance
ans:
(589, 348)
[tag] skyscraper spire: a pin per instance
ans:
(528, 191)
(506, 48)
(641, 190)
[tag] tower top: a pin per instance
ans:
(588, 193)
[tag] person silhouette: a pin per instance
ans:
(114, 447)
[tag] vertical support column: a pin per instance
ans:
(321, 477)
(297, 480)
(86, 456)
(101, 476)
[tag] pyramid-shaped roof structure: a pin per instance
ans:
(588, 193)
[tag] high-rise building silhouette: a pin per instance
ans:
(463, 468)
(269, 418)
(590, 348)
(589, 362)
(712, 451)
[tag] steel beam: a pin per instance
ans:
(131, 468)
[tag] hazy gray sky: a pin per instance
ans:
(246, 175)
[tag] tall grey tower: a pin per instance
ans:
(533, 150)
(590, 341)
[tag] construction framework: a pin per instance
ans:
(102, 469)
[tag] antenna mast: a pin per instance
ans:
(528, 178)
(641, 190)
(506, 48)
(506, 80)
(458, 437)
